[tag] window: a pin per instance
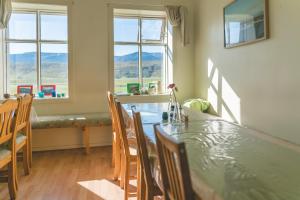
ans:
(37, 50)
(140, 51)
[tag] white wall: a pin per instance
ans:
(1, 61)
(89, 66)
(262, 79)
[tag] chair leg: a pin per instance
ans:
(26, 159)
(117, 169)
(113, 159)
(12, 180)
(149, 195)
(16, 178)
(123, 170)
(126, 180)
(143, 186)
(138, 173)
(29, 141)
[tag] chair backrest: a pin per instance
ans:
(142, 150)
(111, 102)
(24, 110)
(8, 110)
(174, 166)
(122, 128)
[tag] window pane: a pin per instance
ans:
(54, 27)
(152, 29)
(22, 26)
(21, 66)
(54, 66)
(126, 66)
(126, 30)
(153, 65)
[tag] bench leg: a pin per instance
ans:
(29, 140)
(86, 139)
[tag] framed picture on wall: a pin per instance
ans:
(245, 22)
(24, 89)
(48, 89)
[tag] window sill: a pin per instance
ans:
(143, 98)
(47, 100)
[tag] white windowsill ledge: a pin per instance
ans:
(143, 98)
(50, 100)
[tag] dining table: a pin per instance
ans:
(227, 161)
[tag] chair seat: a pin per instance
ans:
(133, 151)
(5, 157)
(132, 144)
(4, 153)
(20, 138)
(130, 133)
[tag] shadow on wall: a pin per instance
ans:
(224, 100)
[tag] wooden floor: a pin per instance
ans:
(68, 174)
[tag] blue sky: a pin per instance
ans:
(126, 30)
(23, 26)
(53, 27)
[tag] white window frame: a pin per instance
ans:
(38, 42)
(163, 42)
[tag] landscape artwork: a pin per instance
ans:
(245, 21)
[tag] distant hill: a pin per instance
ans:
(31, 57)
(134, 57)
(63, 57)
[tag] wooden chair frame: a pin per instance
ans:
(126, 157)
(8, 122)
(24, 126)
(174, 167)
(116, 158)
(152, 188)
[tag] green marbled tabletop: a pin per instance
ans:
(228, 161)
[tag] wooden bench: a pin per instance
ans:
(81, 121)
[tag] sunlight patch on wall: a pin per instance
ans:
(222, 97)
(210, 66)
(232, 101)
(215, 79)
(213, 98)
(213, 76)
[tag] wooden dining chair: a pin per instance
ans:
(8, 110)
(23, 128)
(174, 167)
(128, 153)
(116, 158)
(152, 189)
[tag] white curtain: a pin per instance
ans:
(5, 12)
(177, 15)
